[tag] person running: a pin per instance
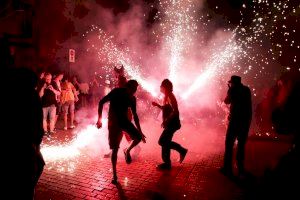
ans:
(120, 100)
(171, 123)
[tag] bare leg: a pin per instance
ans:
(52, 125)
(131, 129)
(72, 111)
(66, 120)
(72, 118)
(52, 118)
(45, 125)
(45, 115)
(132, 144)
(114, 165)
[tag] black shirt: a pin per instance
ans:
(120, 101)
(239, 98)
(49, 98)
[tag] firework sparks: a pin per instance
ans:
(109, 52)
(215, 65)
(178, 26)
(53, 153)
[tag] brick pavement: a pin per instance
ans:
(197, 178)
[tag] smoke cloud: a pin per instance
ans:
(150, 49)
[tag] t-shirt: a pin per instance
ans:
(67, 92)
(120, 101)
(49, 97)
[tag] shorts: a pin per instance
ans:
(115, 133)
(49, 111)
(68, 106)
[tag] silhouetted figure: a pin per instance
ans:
(23, 132)
(120, 100)
(239, 98)
(171, 123)
(121, 82)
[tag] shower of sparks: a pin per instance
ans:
(109, 52)
(268, 29)
(215, 65)
(178, 27)
(58, 154)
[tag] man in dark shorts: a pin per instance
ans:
(120, 100)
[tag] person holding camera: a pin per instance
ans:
(48, 93)
(239, 120)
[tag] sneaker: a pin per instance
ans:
(182, 155)
(65, 128)
(71, 127)
(164, 166)
(127, 156)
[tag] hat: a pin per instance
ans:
(235, 79)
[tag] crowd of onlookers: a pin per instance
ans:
(58, 96)
(61, 95)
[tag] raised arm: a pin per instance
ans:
(54, 90)
(228, 97)
(42, 90)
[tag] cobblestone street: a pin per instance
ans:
(197, 178)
